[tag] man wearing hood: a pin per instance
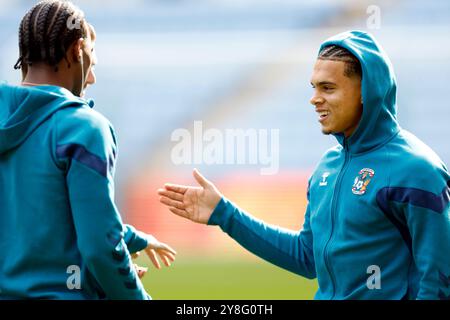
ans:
(57, 159)
(377, 224)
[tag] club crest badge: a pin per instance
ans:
(362, 181)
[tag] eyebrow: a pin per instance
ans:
(323, 83)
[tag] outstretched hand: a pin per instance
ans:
(194, 203)
(154, 249)
(164, 251)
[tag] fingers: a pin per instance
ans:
(165, 260)
(170, 256)
(176, 188)
(172, 203)
(166, 256)
(152, 255)
(168, 249)
(200, 179)
(175, 207)
(171, 194)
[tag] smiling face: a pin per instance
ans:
(337, 97)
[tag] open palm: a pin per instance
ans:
(194, 203)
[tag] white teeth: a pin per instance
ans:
(323, 113)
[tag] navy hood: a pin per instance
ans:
(23, 109)
(378, 123)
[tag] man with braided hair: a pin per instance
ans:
(57, 163)
(377, 223)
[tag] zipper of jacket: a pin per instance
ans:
(334, 202)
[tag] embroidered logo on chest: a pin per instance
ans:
(324, 181)
(362, 181)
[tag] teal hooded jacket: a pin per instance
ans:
(61, 235)
(377, 224)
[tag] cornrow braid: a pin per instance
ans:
(45, 34)
(336, 53)
(32, 52)
(56, 34)
(51, 34)
(19, 61)
(24, 37)
(40, 25)
(54, 11)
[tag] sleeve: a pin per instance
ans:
(134, 239)
(285, 248)
(86, 150)
(428, 220)
(421, 213)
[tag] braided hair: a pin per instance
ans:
(336, 53)
(47, 31)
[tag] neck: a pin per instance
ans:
(41, 74)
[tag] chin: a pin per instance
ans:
(326, 131)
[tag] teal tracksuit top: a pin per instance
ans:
(57, 211)
(378, 205)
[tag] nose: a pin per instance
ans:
(91, 78)
(316, 99)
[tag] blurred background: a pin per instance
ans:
(237, 64)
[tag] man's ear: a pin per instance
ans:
(77, 50)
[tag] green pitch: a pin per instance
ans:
(192, 278)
